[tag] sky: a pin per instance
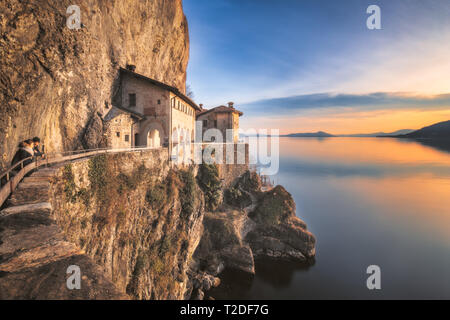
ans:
(310, 65)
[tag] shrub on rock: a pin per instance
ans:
(275, 206)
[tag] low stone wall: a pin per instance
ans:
(230, 172)
(234, 163)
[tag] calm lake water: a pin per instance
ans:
(368, 201)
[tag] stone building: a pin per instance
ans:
(149, 113)
(120, 127)
(222, 118)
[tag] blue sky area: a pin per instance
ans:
(270, 57)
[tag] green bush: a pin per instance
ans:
(274, 207)
(70, 188)
(209, 182)
(99, 177)
(221, 231)
(188, 194)
(235, 197)
(250, 181)
(157, 196)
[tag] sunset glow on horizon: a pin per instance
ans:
(307, 66)
(350, 122)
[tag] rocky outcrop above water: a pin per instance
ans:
(267, 227)
(54, 80)
(278, 232)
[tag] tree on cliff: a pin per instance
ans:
(189, 91)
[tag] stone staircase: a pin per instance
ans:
(34, 255)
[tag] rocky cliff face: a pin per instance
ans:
(55, 81)
(134, 216)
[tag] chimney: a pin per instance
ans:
(230, 104)
(201, 105)
(131, 67)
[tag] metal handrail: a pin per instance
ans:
(50, 158)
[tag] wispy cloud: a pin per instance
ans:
(247, 51)
(358, 102)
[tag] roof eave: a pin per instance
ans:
(240, 113)
(134, 114)
(172, 89)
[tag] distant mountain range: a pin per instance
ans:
(318, 134)
(322, 134)
(439, 130)
(378, 134)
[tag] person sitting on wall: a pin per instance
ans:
(25, 151)
(37, 151)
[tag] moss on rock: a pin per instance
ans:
(274, 207)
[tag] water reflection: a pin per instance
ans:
(238, 285)
(235, 284)
(440, 144)
(265, 269)
(369, 201)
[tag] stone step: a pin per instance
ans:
(33, 185)
(34, 207)
(44, 254)
(21, 198)
(46, 172)
(30, 195)
(36, 179)
(26, 231)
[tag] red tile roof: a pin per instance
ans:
(220, 109)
